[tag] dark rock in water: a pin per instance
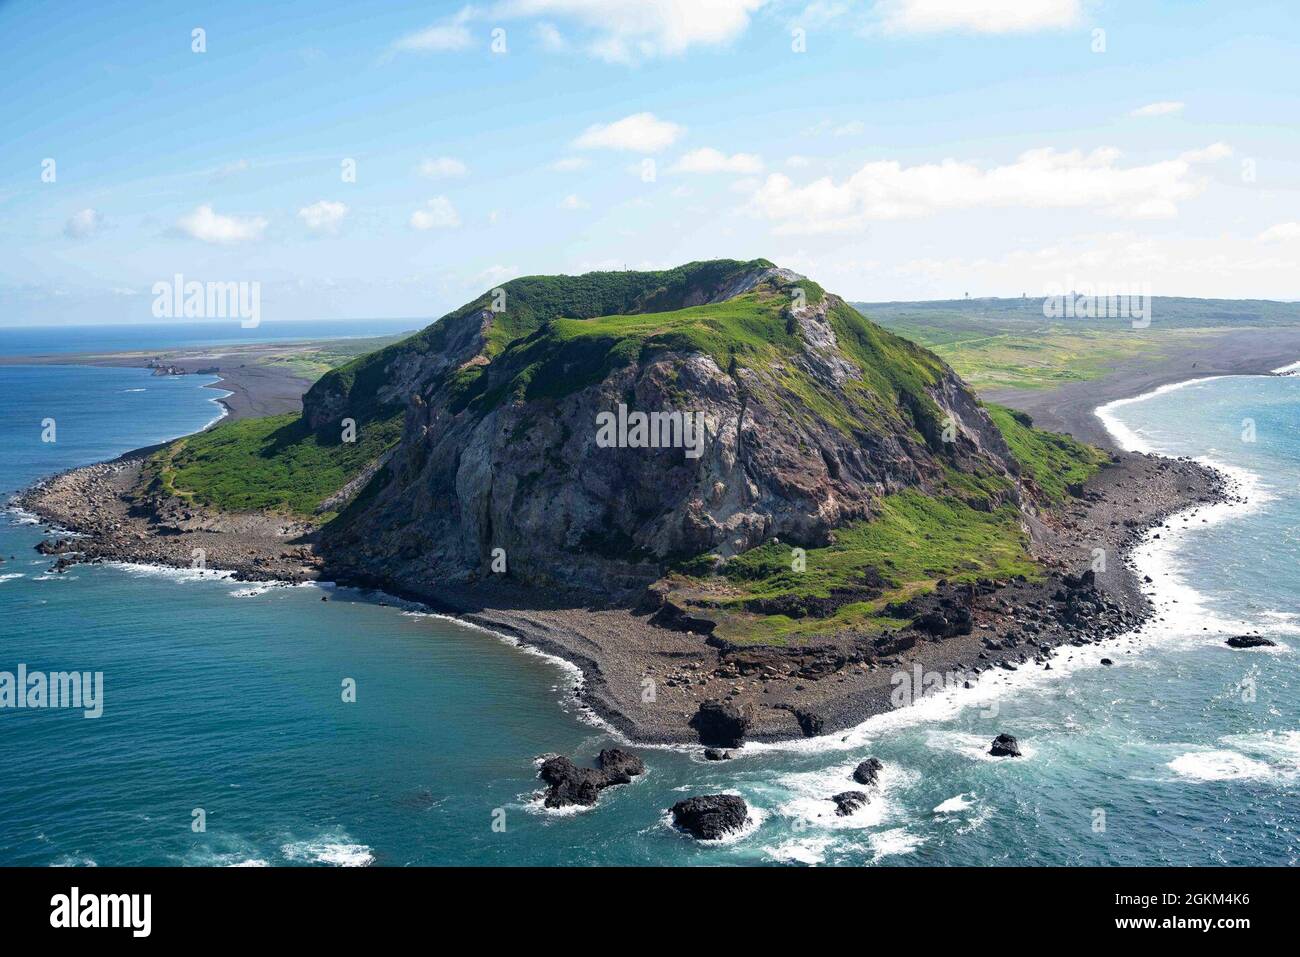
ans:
(710, 816)
(570, 784)
(868, 772)
(57, 547)
(1107, 661)
(1249, 641)
(1005, 746)
(619, 766)
(720, 724)
(846, 802)
(715, 754)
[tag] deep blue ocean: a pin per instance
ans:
(227, 698)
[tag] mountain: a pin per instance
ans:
(501, 444)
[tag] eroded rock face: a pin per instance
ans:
(712, 816)
(1005, 746)
(569, 784)
(720, 724)
(527, 475)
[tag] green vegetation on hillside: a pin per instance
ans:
(529, 303)
(274, 463)
(1051, 459)
(913, 541)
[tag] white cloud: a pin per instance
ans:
(1160, 108)
(1282, 232)
(1208, 154)
(323, 216)
(979, 16)
(211, 227)
(851, 128)
(1041, 179)
(640, 132)
(573, 202)
(797, 162)
(625, 31)
(551, 39)
(709, 160)
(443, 167)
(448, 35)
(437, 213)
(570, 164)
(83, 223)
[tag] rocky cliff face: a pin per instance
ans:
(810, 413)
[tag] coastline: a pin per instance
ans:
(615, 650)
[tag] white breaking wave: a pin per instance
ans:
(334, 848)
(954, 804)
(1260, 756)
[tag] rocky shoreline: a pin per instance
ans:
(649, 682)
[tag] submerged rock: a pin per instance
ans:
(868, 772)
(720, 724)
(710, 816)
(1249, 641)
(1005, 746)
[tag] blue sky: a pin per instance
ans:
(912, 149)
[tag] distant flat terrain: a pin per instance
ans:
(263, 379)
(1060, 370)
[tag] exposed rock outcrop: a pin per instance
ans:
(569, 784)
(868, 771)
(1250, 641)
(710, 817)
(720, 724)
(846, 802)
(1005, 746)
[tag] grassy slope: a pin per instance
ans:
(913, 541)
(272, 464)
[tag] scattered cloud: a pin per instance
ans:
(83, 223)
(797, 162)
(1040, 178)
(207, 225)
(978, 16)
(570, 164)
(628, 31)
(1282, 232)
(1160, 108)
(231, 169)
(444, 167)
(446, 36)
(551, 39)
(1208, 154)
(323, 216)
(640, 132)
(851, 128)
(437, 213)
(709, 160)
(573, 202)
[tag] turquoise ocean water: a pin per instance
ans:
(226, 697)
